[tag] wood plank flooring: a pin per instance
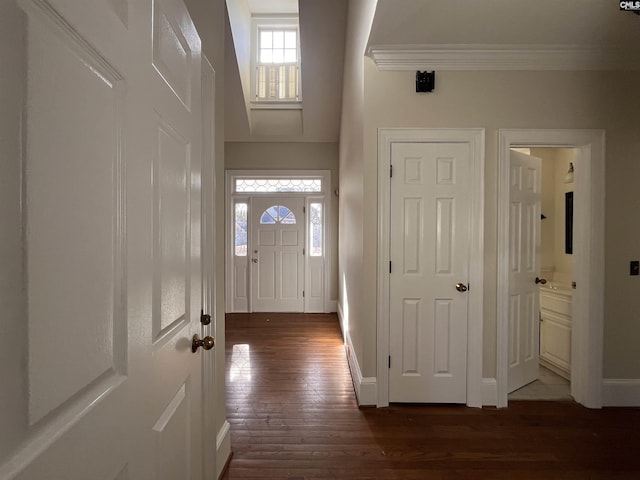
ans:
(293, 415)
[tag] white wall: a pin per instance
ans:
(293, 156)
(493, 100)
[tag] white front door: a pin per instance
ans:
(524, 267)
(100, 381)
(277, 262)
(430, 238)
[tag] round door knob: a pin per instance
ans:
(254, 260)
(207, 343)
(540, 281)
(461, 287)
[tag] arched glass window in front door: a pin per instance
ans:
(277, 214)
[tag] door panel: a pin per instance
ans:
(111, 246)
(429, 256)
(524, 241)
(63, 169)
(277, 267)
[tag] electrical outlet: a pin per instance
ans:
(634, 267)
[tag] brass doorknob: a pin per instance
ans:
(207, 343)
(540, 281)
(461, 287)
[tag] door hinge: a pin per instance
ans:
(302, 293)
(391, 171)
(302, 250)
(389, 361)
(389, 266)
(304, 209)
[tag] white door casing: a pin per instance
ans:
(112, 246)
(209, 457)
(588, 299)
(474, 139)
(317, 278)
(276, 253)
(524, 269)
(430, 206)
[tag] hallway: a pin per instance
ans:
(293, 414)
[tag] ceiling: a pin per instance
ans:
(430, 24)
(508, 22)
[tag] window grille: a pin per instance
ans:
(276, 185)
(278, 62)
(241, 230)
(315, 230)
(277, 214)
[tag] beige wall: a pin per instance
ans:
(293, 156)
(493, 100)
(548, 202)
(354, 297)
(555, 263)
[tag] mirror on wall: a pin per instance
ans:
(568, 222)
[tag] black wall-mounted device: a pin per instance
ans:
(425, 81)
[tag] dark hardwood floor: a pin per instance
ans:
(293, 415)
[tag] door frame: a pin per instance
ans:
(474, 137)
(587, 333)
(324, 196)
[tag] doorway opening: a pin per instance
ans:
(551, 243)
(277, 249)
(587, 312)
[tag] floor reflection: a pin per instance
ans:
(240, 368)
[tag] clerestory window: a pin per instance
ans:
(277, 57)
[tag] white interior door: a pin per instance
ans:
(524, 267)
(429, 245)
(277, 264)
(102, 382)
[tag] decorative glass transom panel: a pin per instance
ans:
(274, 185)
(277, 214)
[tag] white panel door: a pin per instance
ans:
(429, 258)
(524, 267)
(277, 264)
(101, 382)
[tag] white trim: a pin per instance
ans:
(502, 57)
(621, 392)
(489, 392)
(223, 447)
(588, 306)
(365, 387)
(475, 138)
(230, 197)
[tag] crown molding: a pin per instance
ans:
(502, 57)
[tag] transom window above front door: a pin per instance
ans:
(277, 214)
(277, 185)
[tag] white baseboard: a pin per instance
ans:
(489, 392)
(621, 392)
(365, 387)
(223, 447)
